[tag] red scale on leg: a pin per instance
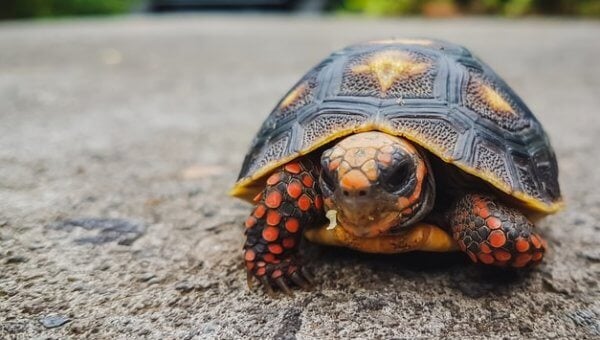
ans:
(293, 168)
(275, 248)
(250, 222)
(486, 258)
(294, 189)
(304, 203)
(274, 179)
(308, 181)
(270, 233)
(273, 217)
(292, 225)
(260, 210)
(273, 199)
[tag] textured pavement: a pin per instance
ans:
(120, 137)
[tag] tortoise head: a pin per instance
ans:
(376, 182)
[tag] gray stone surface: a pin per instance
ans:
(120, 137)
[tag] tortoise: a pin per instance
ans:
(403, 145)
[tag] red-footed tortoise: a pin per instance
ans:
(404, 145)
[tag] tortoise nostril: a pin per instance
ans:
(345, 193)
(362, 193)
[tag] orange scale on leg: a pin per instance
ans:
(521, 260)
(275, 248)
(273, 217)
(273, 199)
(536, 241)
(260, 210)
(269, 258)
(294, 189)
(493, 223)
(261, 271)
(250, 265)
(270, 233)
(274, 179)
(307, 181)
(485, 248)
(250, 255)
(497, 238)
(258, 197)
(293, 168)
(522, 245)
(502, 255)
(304, 203)
(537, 256)
(292, 225)
(486, 258)
(250, 222)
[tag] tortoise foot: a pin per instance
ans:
(494, 234)
(284, 275)
(289, 202)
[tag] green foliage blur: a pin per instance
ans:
(433, 8)
(54, 8)
(510, 8)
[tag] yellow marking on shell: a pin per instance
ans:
(423, 42)
(495, 100)
(293, 96)
(422, 236)
(246, 188)
(389, 66)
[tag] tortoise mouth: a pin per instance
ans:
(368, 218)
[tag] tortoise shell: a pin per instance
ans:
(434, 93)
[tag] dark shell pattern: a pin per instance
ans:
(432, 92)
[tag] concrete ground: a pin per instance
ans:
(120, 137)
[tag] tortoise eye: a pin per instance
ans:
(400, 178)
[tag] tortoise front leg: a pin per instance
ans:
(494, 234)
(290, 202)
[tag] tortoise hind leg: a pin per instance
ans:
(289, 203)
(494, 234)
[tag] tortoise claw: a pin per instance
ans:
(250, 280)
(267, 285)
(308, 276)
(281, 284)
(298, 280)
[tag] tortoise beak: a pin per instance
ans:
(367, 220)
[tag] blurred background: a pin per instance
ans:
(12, 9)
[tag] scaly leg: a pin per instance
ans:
(290, 202)
(494, 234)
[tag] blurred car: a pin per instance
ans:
(166, 5)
